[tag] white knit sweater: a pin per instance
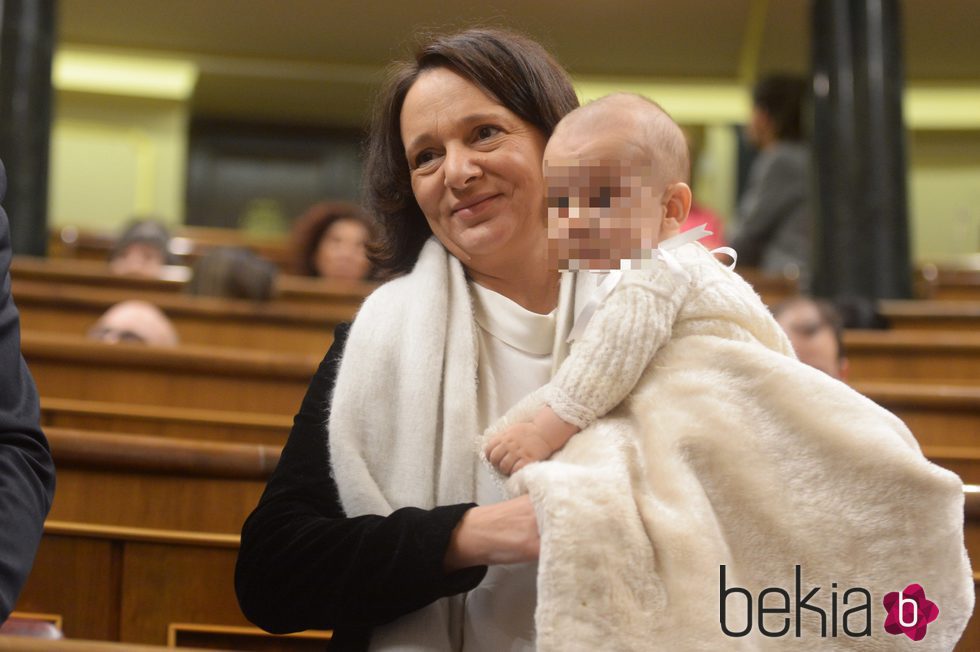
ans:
(645, 311)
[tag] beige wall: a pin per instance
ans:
(113, 157)
(944, 194)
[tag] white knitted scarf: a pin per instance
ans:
(404, 408)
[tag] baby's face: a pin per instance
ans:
(602, 208)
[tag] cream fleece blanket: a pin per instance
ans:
(725, 454)
(730, 454)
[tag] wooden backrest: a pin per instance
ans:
(949, 282)
(204, 321)
(289, 289)
(166, 421)
(130, 584)
(932, 315)
(189, 243)
(145, 481)
(185, 376)
(942, 357)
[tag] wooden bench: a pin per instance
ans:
(932, 315)
(964, 461)
(155, 482)
(949, 282)
(140, 585)
(21, 644)
(244, 638)
(914, 356)
(188, 244)
(290, 289)
(130, 584)
(56, 308)
(938, 415)
(166, 421)
(190, 377)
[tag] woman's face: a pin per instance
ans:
(341, 252)
(475, 169)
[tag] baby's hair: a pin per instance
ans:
(657, 134)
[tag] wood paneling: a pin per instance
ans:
(20, 644)
(938, 415)
(78, 578)
(55, 308)
(914, 356)
(189, 377)
(154, 482)
(289, 289)
(964, 461)
(932, 315)
(948, 283)
(246, 638)
(130, 584)
(166, 421)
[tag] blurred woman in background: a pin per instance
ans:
(330, 241)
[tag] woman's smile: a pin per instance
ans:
(475, 208)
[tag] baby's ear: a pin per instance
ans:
(677, 199)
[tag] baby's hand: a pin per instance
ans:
(518, 446)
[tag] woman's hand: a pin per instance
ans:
(502, 533)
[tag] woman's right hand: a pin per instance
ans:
(502, 533)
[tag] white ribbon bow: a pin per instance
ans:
(663, 253)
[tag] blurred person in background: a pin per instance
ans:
(330, 241)
(142, 249)
(772, 228)
(816, 332)
(233, 273)
(134, 321)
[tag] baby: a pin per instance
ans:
(616, 172)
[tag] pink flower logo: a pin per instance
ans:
(909, 612)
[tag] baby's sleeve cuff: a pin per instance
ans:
(569, 410)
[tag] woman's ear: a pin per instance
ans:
(677, 200)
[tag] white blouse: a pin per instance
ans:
(515, 348)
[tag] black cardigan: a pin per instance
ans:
(304, 565)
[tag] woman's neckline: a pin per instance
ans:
(512, 323)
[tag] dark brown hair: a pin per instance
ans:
(233, 273)
(782, 97)
(510, 68)
(310, 227)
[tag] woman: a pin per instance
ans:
(455, 151)
(330, 240)
(772, 229)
